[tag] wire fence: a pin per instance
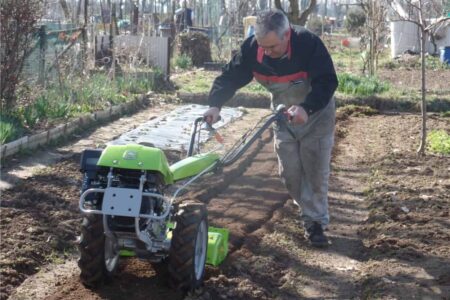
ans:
(55, 52)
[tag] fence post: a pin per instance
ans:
(111, 41)
(84, 55)
(42, 51)
(83, 48)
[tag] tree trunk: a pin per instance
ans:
(65, 9)
(120, 9)
(135, 24)
(263, 4)
(114, 19)
(77, 16)
(423, 134)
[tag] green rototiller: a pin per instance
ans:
(128, 208)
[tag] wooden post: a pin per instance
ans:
(42, 51)
(58, 71)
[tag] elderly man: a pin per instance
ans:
(295, 66)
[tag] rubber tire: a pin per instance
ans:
(182, 250)
(92, 252)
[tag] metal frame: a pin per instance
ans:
(142, 235)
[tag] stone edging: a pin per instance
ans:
(84, 121)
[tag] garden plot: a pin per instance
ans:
(395, 248)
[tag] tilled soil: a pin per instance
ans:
(379, 249)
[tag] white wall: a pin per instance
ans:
(406, 36)
(154, 49)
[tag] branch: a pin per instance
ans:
(402, 18)
(304, 16)
(437, 23)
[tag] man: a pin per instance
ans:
(296, 68)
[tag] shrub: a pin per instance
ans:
(314, 25)
(355, 20)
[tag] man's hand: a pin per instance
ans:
(298, 114)
(212, 115)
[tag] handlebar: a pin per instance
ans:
(281, 116)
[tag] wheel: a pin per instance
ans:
(99, 254)
(187, 255)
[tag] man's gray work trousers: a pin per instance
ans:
(305, 160)
(304, 163)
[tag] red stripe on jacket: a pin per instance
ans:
(281, 79)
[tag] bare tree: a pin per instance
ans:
(419, 12)
(17, 25)
(375, 29)
(294, 15)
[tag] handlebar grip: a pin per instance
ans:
(204, 119)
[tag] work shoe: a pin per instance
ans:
(314, 234)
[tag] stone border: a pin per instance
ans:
(84, 121)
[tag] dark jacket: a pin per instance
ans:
(307, 58)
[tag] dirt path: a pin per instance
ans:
(269, 258)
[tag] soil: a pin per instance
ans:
(411, 78)
(390, 228)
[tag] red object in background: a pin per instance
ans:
(345, 43)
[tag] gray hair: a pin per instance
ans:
(271, 20)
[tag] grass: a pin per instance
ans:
(439, 142)
(356, 110)
(200, 81)
(197, 81)
(79, 96)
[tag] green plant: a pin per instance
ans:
(10, 128)
(135, 85)
(183, 61)
(434, 63)
(439, 142)
(29, 115)
(6, 131)
(41, 106)
(360, 85)
(59, 110)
